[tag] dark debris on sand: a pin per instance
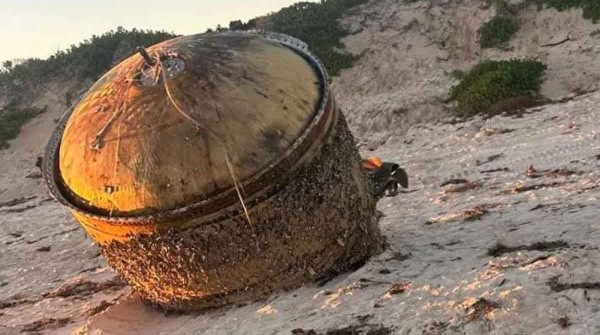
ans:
(104, 305)
(399, 288)
(361, 329)
(527, 188)
(556, 286)
(15, 202)
(500, 249)
(564, 322)
(532, 172)
(18, 210)
(83, 288)
(45, 324)
(496, 170)
(481, 309)
(489, 159)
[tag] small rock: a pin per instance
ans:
(436, 11)
(399, 288)
(443, 55)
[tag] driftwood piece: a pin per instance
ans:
(553, 44)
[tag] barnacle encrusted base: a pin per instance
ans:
(322, 221)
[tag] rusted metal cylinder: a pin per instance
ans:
(218, 171)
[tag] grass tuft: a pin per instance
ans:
(498, 31)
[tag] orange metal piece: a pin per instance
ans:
(372, 163)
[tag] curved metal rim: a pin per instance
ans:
(51, 169)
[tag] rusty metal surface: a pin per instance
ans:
(134, 146)
(309, 132)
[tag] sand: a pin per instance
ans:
(437, 264)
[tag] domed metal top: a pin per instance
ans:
(188, 121)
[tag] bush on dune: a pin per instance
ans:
(490, 82)
(317, 25)
(498, 31)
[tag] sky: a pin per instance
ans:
(38, 28)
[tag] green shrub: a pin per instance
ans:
(505, 9)
(492, 81)
(498, 31)
(11, 122)
(591, 8)
(317, 25)
(458, 74)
